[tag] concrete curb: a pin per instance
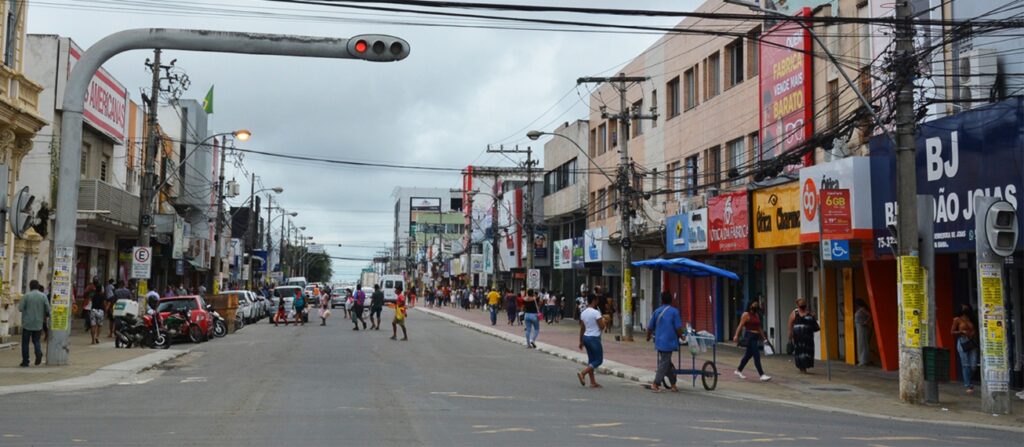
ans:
(641, 375)
(105, 376)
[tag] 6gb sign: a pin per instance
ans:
(836, 219)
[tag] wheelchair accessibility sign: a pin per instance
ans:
(835, 250)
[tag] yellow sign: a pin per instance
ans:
(143, 287)
(59, 318)
(912, 301)
(776, 213)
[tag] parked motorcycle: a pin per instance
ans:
(179, 322)
(220, 325)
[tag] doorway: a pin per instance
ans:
(788, 280)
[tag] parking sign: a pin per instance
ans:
(142, 262)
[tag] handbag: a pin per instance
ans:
(790, 349)
(768, 348)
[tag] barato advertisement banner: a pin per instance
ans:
(729, 225)
(785, 85)
(777, 216)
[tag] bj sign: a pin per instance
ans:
(106, 100)
(835, 214)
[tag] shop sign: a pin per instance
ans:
(785, 89)
(835, 213)
(488, 258)
(967, 155)
(730, 222)
(611, 269)
(676, 228)
(777, 216)
(178, 241)
(563, 254)
(697, 229)
(851, 173)
(106, 100)
(596, 247)
(477, 263)
(578, 257)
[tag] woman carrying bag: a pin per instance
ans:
(966, 333)
(802, 326)
(750, 322)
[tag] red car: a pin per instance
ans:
(195, 304)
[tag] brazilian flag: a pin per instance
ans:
(208, 101)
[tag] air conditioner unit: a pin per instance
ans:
(978, 69)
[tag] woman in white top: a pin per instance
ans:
(591, 325)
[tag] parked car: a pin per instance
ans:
(246, 308)
(262, 305)
(195, 304)
(338, 297)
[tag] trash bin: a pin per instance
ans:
(936, 364)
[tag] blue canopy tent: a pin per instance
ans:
(693, 269)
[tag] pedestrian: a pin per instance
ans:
(549, 307)
(666, 326)
(862, 326)
(966, 333)
(493, 301)
(412, 297)
(325, 308)
(591, 325)
(181, 290)
(97, 314)
(802, 326)
(34, 307)
(530, 311)
(108, 291)
(300, 308)
(750, 322)
(520, 299)
(376, 306)
(510, 306)
(400, 314)
(357, 307)
(280, 316)
(202, 291)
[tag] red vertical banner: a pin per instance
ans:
(786, 88)
(836, 219)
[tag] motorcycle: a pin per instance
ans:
(220, 325)
(179, 322)
(130, 330)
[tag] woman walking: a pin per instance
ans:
(510, 307)
(966, 332)
(802, 326)
(530, 317)
(325, 308)
(358, 304)
(751, 323)
(591, 325)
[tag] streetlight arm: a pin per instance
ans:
(189, 155)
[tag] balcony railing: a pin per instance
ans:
(113, 202)
(18, 90)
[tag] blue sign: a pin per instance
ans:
(676, 229)
(979, 152)
(260, 260)
(836, 250)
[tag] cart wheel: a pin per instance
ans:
(709, 378)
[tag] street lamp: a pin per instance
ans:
(241, 135)
(535, 134)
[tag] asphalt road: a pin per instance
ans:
(312, 385)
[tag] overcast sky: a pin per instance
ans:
(459, 90)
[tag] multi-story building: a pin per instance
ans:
(409, 203)
(566, 167)
(20, 121)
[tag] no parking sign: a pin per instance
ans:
(142, 262)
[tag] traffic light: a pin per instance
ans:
(20, 213)
(378, 48)
(1001, 228)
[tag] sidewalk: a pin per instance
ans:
(84, 360)
(860, 391)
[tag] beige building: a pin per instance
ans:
(19, 122)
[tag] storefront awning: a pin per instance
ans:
(685, 267)
(198, 266)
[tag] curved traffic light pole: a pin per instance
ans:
(375, 48)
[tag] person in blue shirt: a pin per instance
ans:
(666, 326)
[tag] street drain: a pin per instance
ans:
(831, 389)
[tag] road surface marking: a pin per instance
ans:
(889, 438)
(504, 430)
(600, 425)
(622, 438)
(470, 396)
(716, 421)
(8, 435)
(78, 440)
(972, 438)
(767, 440)
(481, 426)
(193, 380)
(729, 430)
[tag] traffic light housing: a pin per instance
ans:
(1001, 228)
(378, 48)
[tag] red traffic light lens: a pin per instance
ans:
(361, 46)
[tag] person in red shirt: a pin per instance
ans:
(400, 314)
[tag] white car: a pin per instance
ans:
(246, 306)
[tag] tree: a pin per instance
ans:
(318, 268)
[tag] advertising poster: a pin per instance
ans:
(578, 258)
(836, 220)
(488, 258)
(697, 229)
(777, 216)
(992, 318)
(785, 88)
(594, 249)
(912, 294)
(729, 225)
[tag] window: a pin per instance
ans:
(755, 146)
(549, 180)
(676, 181)
(736, 157)
(613, 199)
(690, 78)
(602, 203)
(560, 177)
(734, 63)
(713, 73)
(754, 52)
(84, 168)
(11, 36)
(654, 180)
(104, 168)
(593, 143)
(691, 176)
(592, 206)
(654, 106)
(613, 129)
(130, 181)
(832, 90)
(602, 139)
(714, 166)
(673, 97)
(636, 128)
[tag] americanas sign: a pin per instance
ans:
(729, 222)
(106, 100)
(786, 119)
(777, 216)
(970, 154)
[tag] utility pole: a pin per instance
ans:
(250, 235)
(911, 361)
(621, 83)
(149, 164)
(219, 226)
(494, 233)
(529, 197)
